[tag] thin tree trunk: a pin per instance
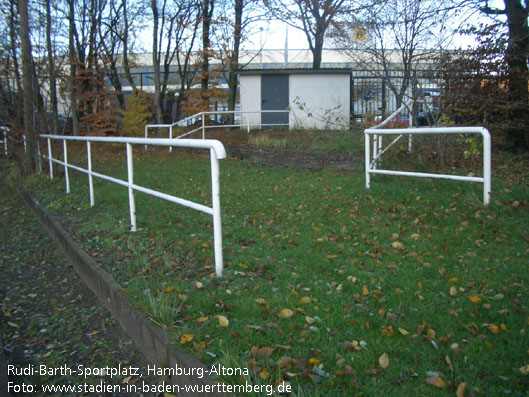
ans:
(234, 59)
(126, 65)
(73, 68)
(156, 63)
(207, 13)
(30, 159)
(51, 74)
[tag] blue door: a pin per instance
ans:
(274, 96)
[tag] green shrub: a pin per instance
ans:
(136, 115)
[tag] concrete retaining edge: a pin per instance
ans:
(151, 339)
(4, 378)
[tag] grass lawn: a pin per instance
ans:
(412, 288)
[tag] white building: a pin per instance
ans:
(314, 99)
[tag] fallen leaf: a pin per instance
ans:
(264, 374)
(365, 290)
(435, 381)
(383, 361)
(260, 301)
(202, 319)
(524, 370)
(454, 280)
(304, 300)
(264, 351)
(453, 291)
(169, 289)
(223, 321)
(285, 313)
(313, 361)
(397, 245)
(403, 331)
(199, 346)
(388, 331)
(461, 389)
(186, 338)
(430, 334)
(474, 299)
(493, 328)
(32, 295)
(284, 361)
(309, 320)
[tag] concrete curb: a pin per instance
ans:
(4, 379)
(151, 339)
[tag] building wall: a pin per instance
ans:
(250, 98)
(320, 101)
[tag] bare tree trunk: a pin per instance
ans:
(73, 68)
(51, 74)
(234, 59)
(126, 65)
(13, 47)
(156, 63)
(207, 13)
(30, 159)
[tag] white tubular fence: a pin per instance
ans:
(217, 152)
(6, 137)
(4, 140)
(371, 162)
(202, 116)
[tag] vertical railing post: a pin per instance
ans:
(39, 157)
(217, 223)
(203, 126)
(90, 178)
(50, 162)
(487, 182)
(367, 160)
(130, 175)
(410, 136)
(66, 177)
(171, 136)
(25, 145)
(375, 151)
(145, 147)
(5, 141)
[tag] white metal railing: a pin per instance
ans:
(203, 127)
(217, 152)
(4, 140)
(371, 163)
(6, 137)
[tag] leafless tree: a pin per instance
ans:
(313, 17)
(235, 21)
(30, 161)
(400, 37)
(174, 30)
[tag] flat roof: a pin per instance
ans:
(295, 71)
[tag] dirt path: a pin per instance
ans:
(48, 317)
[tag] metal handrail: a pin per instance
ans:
(486, 179)
(203, 127)
(217, 152)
